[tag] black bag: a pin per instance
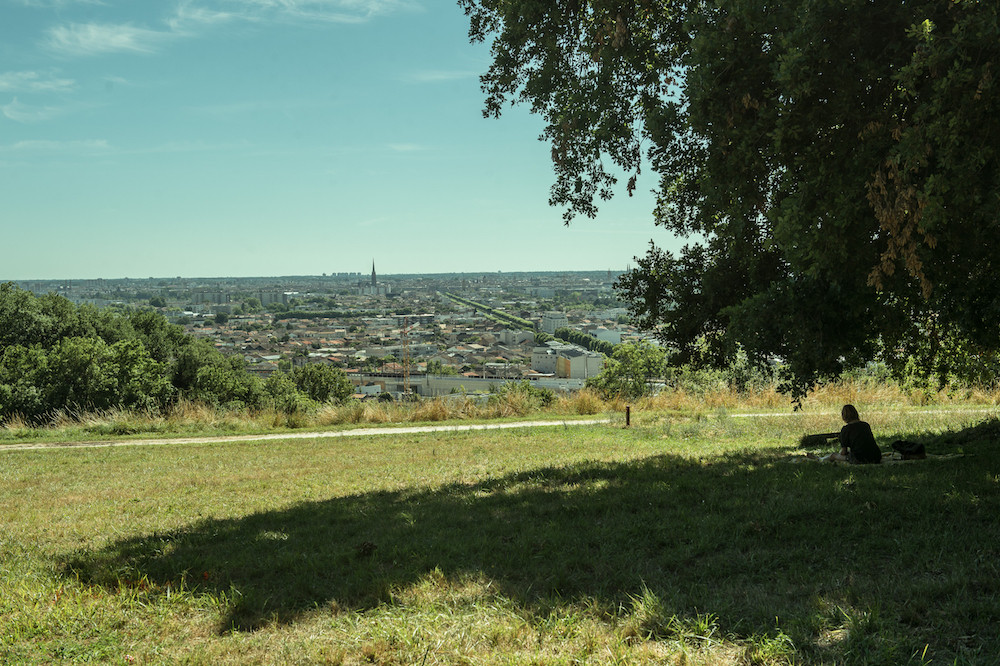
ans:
(909, 450)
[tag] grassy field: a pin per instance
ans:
(690, 538)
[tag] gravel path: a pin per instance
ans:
(399, 430)
(300, 435)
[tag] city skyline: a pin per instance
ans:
(205, 138)
(359, 275)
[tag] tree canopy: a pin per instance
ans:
(833, 164)
(630, 372)
(585, 340)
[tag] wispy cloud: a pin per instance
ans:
(406, 147)
(253, 106)
(188, 16)
(193, 147)
(89, 146)
(34, 82)
(101, 38)
(436, 75)
(339, 11)
(46, 4)
(92, 147)
(25, 113)
(112, 81)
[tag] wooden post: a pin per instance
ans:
(628, 415)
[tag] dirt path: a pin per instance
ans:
(396, 430)
(404, 430)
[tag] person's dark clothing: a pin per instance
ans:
(859, 441)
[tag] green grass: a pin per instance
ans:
(680, 540)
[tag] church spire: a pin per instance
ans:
(373, 273)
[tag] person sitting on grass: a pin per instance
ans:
(857, 443)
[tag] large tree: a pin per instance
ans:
(834, 163)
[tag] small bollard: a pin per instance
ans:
(628, 415)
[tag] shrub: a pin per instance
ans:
(323, 383)
(80, 374)
(586, 401)
(285, 397)
(437, 409)
(519, 398)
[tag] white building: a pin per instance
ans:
(614, 336)
(566, 361)
(553, 320)
(543, 360)
(578, 364)
(509, 337)
(610, 313)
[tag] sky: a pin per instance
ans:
(274, 137)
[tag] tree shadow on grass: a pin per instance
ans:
(747, 537)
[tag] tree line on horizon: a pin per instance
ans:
(585, 340)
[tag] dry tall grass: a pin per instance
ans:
(874, 394)
(17, 426)
(196, 418)
(825, 397)
(440, 409)
(582, 402)
(716, 398)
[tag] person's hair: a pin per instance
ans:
(849, 413)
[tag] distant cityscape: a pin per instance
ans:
(430, 334)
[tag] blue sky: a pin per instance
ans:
(273, 137)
